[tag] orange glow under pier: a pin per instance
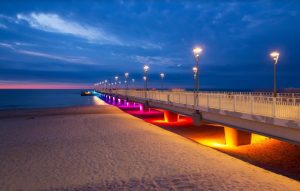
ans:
(241, 114)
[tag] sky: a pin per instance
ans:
(61, 44)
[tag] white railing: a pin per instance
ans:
(279, 107)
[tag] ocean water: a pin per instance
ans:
(25, 99)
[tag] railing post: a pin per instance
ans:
(219, 100)
(251, 103)
(185, 99)
(299, 112)
(207, 100)
(273, 107)
(294, 101)
(168, 97)
(234, 102)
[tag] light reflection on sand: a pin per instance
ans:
(98, 101)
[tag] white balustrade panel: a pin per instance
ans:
(263, 104)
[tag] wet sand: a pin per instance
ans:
(103, 148)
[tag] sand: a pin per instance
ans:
(103, 148)
(271, 154)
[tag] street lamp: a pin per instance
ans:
(145, 78)
(126, 80)
(196, 51)
(162, 76)
(275, 56)
(195, 72)
(116, 83)
(133, 80)
(105, 81)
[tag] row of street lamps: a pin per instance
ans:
(196, 51)
(126, 74)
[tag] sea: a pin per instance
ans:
(29, 99)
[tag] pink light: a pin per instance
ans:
(141, 107)
(15, 85)
(151, 113)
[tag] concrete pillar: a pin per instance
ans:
(197, 118)
(144, 108)
(170, 116)
(234, 137)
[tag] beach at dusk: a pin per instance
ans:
(149, 95)
(103, 148)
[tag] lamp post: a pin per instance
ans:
(162, 76)
(100, 86)
(145, 86)
(105, 81)
(195, 77)
(275, 56)
(145, 78)
(126, 80)
(116, 83)
(132, 80)
(196, 51)
(95, 86)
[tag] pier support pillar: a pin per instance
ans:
(121, 101)
(197, 118)
(234, 137)
(144, 108)
(170, 116)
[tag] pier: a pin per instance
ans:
(240, 113)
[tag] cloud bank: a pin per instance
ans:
(56, 24)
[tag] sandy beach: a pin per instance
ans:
(103, 148)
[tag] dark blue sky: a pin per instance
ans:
(83, 42)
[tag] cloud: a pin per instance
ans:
(154, 60)
(70, 59)
(55, 24)
(7, 18)
(3, 26)
(6, 45)
(81, 60)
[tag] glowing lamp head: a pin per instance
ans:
(195, 70)
(275, 55)
(146, 68)
(116, 78)
(105, 81)
(133, 80)
(144, 78)
(126, 74)
(197, 51)
(162, 75)
(119, 82)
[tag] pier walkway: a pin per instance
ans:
(277, 117)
